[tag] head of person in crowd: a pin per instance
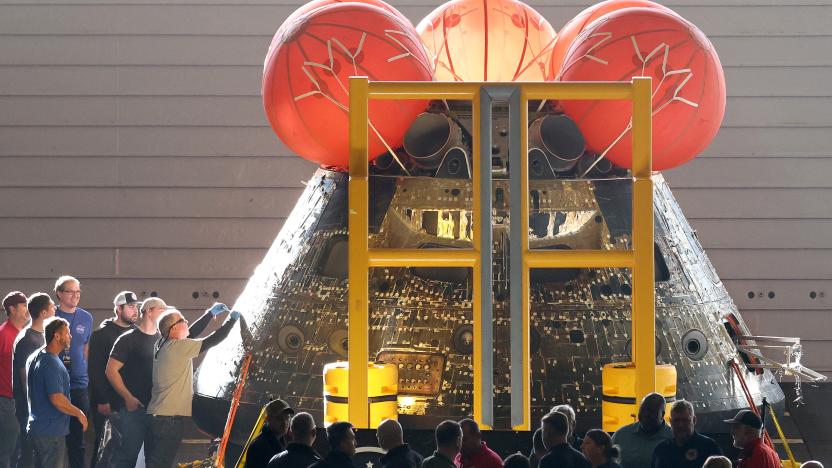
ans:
(717, 461)
(58, 337)
(651, 412)
(41, 307)
(390, 434)
(303, 429)
(448, 438)
(682, 421)
(555, 428)
(471, 438)
(152, 308)
(172, 325)
(68, 291)
(745, 428)
(812, 464)
(126, 308)
(17, 309)
(278, 413)
(516, 460)
(341, 438)
(597, 447)
(569, 412)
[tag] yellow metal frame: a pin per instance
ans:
(362, 258)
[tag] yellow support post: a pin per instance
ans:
(644, 300)
(476, 299)
(358, 224)
(526, 282)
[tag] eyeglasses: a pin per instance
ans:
(71, 293)
(182, 320)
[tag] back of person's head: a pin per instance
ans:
(812, 464)
(470, 426)
(557, 422)
(390, 434)
(337, 433)
(151, 302)
(568, 411)
(717, 461)
(38, 303)
(52, 326)
(302, 426)
(448, 434)
(166, 321)
(604, 441)
(517, 460)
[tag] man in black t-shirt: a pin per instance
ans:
(130, 372)
(555, 428)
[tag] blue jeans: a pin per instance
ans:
(164, 438)
(133, 427)
(50, 452)
(24, 456)
(75, 440)
(9, 430)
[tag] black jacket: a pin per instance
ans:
(296, 455)
(401, 457)
(564, 456)
(263, 448)
(101, 343)
(334, 460)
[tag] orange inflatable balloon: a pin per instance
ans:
(487, 40)
(306, 79)
(688, 84)
(576, 25)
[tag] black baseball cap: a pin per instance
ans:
(747, 417)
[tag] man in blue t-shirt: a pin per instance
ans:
(68, 291)
(49, 391)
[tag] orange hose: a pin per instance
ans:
(232, 413)
(750, 400)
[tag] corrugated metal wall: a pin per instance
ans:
(134, 152)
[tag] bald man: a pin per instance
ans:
(639, 439)
(399, 454)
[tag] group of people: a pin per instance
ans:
(131, 378)
(286, 440)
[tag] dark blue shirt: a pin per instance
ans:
(47, 376)
(80, 326)
(690, 455)
(563, 456)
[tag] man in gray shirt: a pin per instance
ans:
(638, 440)
(172, 393)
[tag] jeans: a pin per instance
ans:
(133, 427)
(97, 420)
(165, 435)
(50, 452)
(24, 455)
(75, 440)
(9, 430)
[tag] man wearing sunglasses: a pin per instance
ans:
(172, 394)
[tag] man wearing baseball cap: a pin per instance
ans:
(747, 430)
(17, 315)
(272, 438)
(125, 314)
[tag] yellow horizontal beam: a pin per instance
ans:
(600, 90)
(423, 90)
(578, 258)
(466, 258)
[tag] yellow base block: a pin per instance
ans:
(618, 405)
(382, 389)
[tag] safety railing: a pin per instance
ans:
(482, 95)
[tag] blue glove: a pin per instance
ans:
(235, 315)
(217, 309)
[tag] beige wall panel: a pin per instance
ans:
(751, 142)
(765, 233)
(250, 50)
(781, 264)
(42, 264)
(787, 294)
(809, 325)
(37, 141)
(749, 203)
(166, 202)
(211, 233)
(245, 81)
(249, 19)
(757, 173)
(239, 111)
(98, 294)
(155, 172)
